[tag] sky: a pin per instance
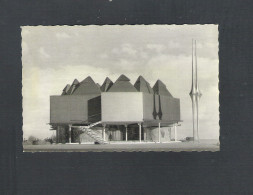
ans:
(53, 56)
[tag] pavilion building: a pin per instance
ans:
(116, 111)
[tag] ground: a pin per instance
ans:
(203, 145)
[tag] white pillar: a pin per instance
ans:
(104, 132)
(140, 131)
(57, 134)
(159, 131)
(145, 134)
(175, 128)
(126, 132)
(70, 133)
(170, 132)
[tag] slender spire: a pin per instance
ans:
(192, 89)
(196, 69)
(196, 72)
(195, 93)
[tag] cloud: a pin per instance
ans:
(103, 56)
(43, 53)
(117, 42)
(153, 51)
(128, 49)
(156, 47)
(124, 50)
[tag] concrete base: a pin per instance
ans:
(204, 145)
(71, 143)
(143, 142)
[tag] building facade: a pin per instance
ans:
(86, 112)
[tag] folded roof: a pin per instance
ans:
(142, 85)
(106, 85)
(122, 84)
(161, 89)
(66, 89)
(73, 87)
(98, 85)
(87, 86)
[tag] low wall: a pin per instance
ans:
(152, 134)
(84, 137)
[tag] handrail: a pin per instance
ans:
(92, 125)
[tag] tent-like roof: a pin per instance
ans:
(75, 82)
(161, 89)
(122, 84)
(143, 86)
(73, 87)
(106, 85)
(98, 85)
(123, 78)
(65, 90)
(87, 86)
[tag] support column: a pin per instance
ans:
(57, 134)
(159, 131)
(126, 132)
(104, 132)
(175, 129)
(70, 133)
(170, 132)
(139, 131)
(145, 134)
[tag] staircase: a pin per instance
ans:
(92, 133)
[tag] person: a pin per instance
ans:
(110, 137)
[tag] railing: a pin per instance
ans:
(91, 133)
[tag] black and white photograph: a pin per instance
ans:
(124, 97)
(115, 88)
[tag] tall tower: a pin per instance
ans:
(195, 93)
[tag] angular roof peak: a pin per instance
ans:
(75, 82)
(122, 84)
(66, 89)
(140, 78)
(72, 87)
(161, 89)
(160, 82)
(106, 85)
(107, 79)
(87, 86)
(123, 78)
(88, 80)
(142, 85)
